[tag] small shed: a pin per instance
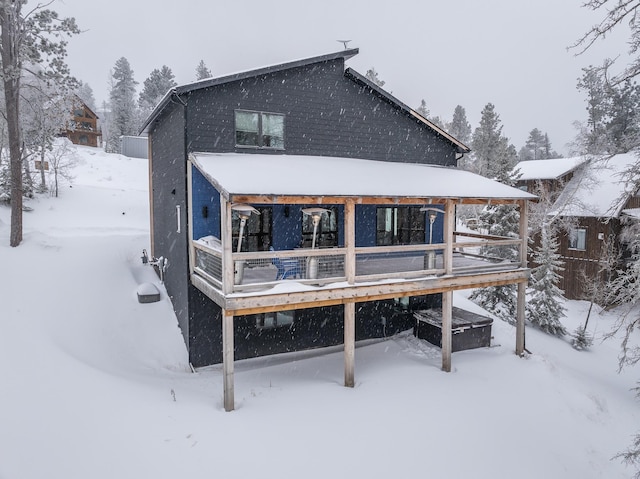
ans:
(134, 146)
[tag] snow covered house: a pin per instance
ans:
(82, 127)
(300, 205)
(592, 192)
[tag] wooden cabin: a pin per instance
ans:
(592, 192)
(539, 176)
(83, 128)
(302, 206)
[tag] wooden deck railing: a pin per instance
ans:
(265, 269)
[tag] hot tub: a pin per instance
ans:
(469, 330)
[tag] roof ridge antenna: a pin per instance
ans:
(345, 42)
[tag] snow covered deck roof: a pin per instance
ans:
(548, 169)
(320, 176)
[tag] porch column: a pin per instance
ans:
(227, 359)
(192, 252)
(350, 241)
(447, 314)
(522, 287)
(447, 296)
(349, 343)
(226, 238)
(449, 227)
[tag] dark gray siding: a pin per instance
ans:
(169, 181)
(327, 114)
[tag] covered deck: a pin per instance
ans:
(244, 283)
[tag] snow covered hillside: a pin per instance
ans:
(95, 385)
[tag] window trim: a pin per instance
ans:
(261, 135)
(576, 232)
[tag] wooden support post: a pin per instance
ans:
(449, 227)
(226, 236)
(349, 343)
(227, 360)
(447, 315)
(520, 315)
(350, 241)
(522, 287)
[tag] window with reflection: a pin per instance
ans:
(259, 129)
(257, 232)
(400, 225)
(327, 234)
(578, 239)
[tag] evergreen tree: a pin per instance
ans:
(372, 75)
(486, 141)
(544, 307)
(537, 147)
(160, 81)
(460, 127)
(423, 110)
(123, 115)
(593, 137)
(535, 144)
(547, 151)
(202, 71)
(85, 93)
(501, 220)
(622, 125)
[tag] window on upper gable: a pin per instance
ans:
(259, 129)
(578, 239)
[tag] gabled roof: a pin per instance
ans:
(599, 189)
(283, 175)
(551, 169)
(349, 73)
(209, 82)
(85, 106)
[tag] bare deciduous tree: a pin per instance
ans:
(32, 41)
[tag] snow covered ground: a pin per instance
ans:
(95, 385)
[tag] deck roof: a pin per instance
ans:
(318, 176)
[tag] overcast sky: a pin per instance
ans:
(512, 53)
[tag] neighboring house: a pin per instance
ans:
(547, 175)
(83, 128)
(595, 196)
(301, 206)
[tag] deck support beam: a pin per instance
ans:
(349, 343)
(227, 360)
(447, 316)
